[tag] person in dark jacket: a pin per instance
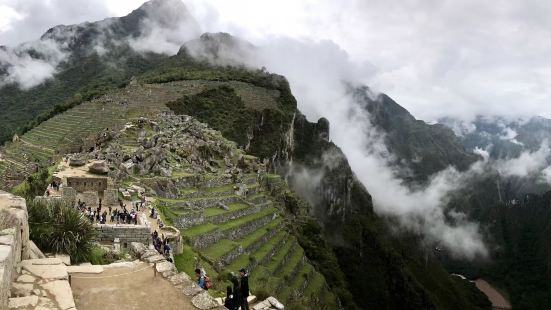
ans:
(244, 286)
(237, 298)
(230, 299)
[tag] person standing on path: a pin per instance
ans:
(244, 286)
(237, 298)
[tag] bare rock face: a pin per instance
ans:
(99, 167)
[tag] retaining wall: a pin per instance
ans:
(125, 232)
(14, 240)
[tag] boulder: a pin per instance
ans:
(77, 161)
(137, 249)
(204, 301)
(98, 167)
(154, 258)
(275, 303)
(192, 289)
(179, 278)
(164, 266)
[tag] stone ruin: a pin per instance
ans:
(89, 198)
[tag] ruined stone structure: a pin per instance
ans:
(125, 233)
(83, 184)
(14, 240)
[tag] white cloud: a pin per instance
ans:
(527, 164)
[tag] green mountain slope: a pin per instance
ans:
(347, 243)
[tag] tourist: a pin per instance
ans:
(244, 285)
(200, 278)
(142, 200)
(135, 218)
(152, 212)
(113, 215)
(230, 301)
(109, 208)
(236, 293)
(166, 248)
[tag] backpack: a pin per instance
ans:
(208, 283)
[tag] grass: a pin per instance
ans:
(186, 261)
(295, 258)
(220, 248)
(199, 229)
(257, 234)
(315, 285)
(280, 254)
(268, 246)
(218, 189)
(180, 174)
(232, 208)
(242, 220)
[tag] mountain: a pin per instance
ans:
(419, 148)
(80, 62)
(363, 262)
(502, 138)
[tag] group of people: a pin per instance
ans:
(161, 245)
(119, 216)
(236, 296)
(56, 186)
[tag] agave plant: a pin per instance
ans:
(58, 228)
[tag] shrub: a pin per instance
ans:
(58, 228)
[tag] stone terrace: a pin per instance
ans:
(249, 233)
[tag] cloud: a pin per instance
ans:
(527, 164)
(28, 71)
(167, 26)
(320, 74)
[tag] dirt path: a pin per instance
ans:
(120, 290)
(497, 300)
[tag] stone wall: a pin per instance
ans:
(110, 197)
(125, 233)
(14, 240)
(188, 220)
(91, 199)
(81, 184)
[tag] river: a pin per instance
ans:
(496, 298)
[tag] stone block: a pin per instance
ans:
(50, 272)
(85, 269)
(22, 302)
(21, 289)
(61, 290)
(110, 197)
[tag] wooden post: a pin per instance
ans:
(155, 270)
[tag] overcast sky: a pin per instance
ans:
(436, 58)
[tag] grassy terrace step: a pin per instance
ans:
(251, 238)
(220, 248)
(199, 229)
(296, 283)
(292, 263)
(242, 220)
(277, 261)
(209, 212)
(245, 260)
(217, 189)
(315, 285)
(204, 235)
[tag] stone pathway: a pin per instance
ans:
(127, 286)
(42, 284)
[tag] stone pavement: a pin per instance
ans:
(42, 284)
